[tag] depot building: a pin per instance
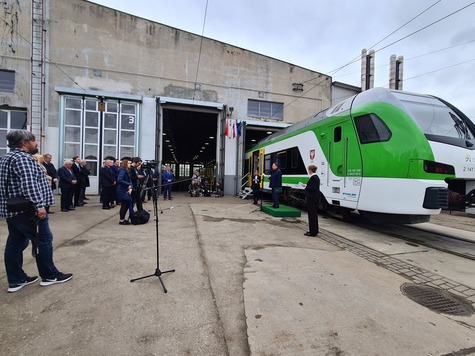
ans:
(94, 82)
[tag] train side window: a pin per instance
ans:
(294, 159)
(371, 129)
(267, 164)
(337, 134)
(282, 159)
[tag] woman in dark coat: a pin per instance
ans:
(256, 186)
(312, 194)
(124, 189)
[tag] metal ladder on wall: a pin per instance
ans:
(37, 70)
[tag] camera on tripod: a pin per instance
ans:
(149, 164)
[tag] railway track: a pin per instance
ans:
(435, 238)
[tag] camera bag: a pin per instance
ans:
(140, 217)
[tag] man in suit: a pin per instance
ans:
(76, 167)
(108, 181)
(167, 179)
(115, 169)
(136, 177)
(83, 182)
(67, 182)
(275, 183)
(52, 172)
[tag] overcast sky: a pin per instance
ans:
(324, 35)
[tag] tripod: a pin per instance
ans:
(158, 273)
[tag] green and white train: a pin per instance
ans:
(390, 155)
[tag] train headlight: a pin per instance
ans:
(438, 168)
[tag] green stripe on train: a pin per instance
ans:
(400, 157)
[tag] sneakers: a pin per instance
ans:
(16, 287)
(60, 278)
(124, 222)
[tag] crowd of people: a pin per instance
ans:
(28, 181)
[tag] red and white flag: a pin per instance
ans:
(226, 130)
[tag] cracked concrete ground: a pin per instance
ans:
(244, 283)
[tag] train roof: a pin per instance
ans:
(396, 98)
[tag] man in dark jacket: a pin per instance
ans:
(275, 184)
(83, 181)
(136, 177)
(108, 181)
(76, 167)
(51, 170)
(67, 182)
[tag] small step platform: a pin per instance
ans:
(283, 211)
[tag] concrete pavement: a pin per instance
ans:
(245, 283)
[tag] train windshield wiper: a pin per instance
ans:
(461, 127)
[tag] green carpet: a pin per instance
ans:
(282, 211)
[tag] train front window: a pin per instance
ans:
(371, 129)
(436, 118)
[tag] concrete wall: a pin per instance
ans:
(15, 51)
(341, 91)
(141, 57)
(95, 48)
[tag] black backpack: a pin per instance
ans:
(140, 217)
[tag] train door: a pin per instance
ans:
(337, 154)
(345, 165)
(256, 161)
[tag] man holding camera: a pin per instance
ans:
(137, 178)
(21, 176)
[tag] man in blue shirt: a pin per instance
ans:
(21, 176)
(167, 179)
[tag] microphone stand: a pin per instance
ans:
(158, 273)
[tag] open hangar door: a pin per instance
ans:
(188, 139)
(253, 132)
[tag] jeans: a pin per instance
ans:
(22, 229)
